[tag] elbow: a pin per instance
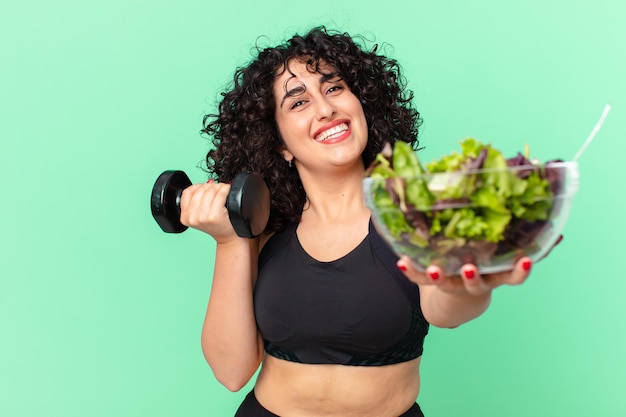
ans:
(233, 381)
(235, 375)
(232, 384)
(231, 368)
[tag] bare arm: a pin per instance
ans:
(451, 301)
(451, 310)
(230, 340)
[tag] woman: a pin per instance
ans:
(334, 318)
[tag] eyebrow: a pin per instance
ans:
(301, 88)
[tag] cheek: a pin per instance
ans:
(357, 107)
(286, 136)
(292, 128)
(282, 127)
(359, 110)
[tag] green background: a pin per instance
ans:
(100, 312)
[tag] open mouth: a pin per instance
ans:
(333, 132)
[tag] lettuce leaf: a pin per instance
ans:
(463, 196)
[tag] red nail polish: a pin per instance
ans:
(210, 181)
(402, 267)
(434, 275)
(468, 273)
(526, 265)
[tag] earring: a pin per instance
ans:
(290, 163)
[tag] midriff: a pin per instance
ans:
(291, 389)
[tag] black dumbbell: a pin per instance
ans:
(248, 202)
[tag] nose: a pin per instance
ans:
(325, 109)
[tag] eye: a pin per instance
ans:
(297, 104)
(334, 88)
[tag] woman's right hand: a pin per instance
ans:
(203, 207)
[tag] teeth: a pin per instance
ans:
(332, 132)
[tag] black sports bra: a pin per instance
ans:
(357, 310)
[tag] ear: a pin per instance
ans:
(287, 155)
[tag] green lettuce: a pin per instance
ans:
(462, 196)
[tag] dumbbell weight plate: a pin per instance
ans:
(165, 201)
(248, 202)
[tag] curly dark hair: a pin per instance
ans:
(245, 136)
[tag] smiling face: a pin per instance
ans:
(319, 119)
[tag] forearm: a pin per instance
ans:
(230, 339)
(444, 309)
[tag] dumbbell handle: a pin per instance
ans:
(247, 203)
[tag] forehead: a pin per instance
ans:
(297, 70)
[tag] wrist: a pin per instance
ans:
(235, 244)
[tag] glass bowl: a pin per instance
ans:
(491, 226)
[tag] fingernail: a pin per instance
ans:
(434, 275)
(526, 265)
(210, 181)
(468, 272)
(402, 267)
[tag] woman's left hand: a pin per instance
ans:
(470, 281)
(451, 300)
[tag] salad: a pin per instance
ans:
(470, 206)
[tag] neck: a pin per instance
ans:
(334, 196)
